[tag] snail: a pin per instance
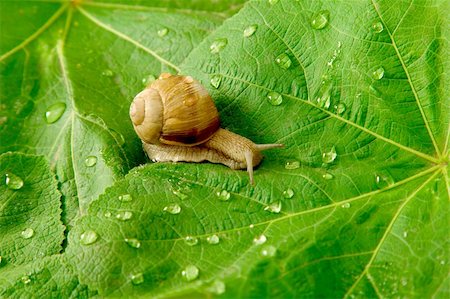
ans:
(176, 119)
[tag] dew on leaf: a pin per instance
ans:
(345, 205)
(340, 108)
(330, 156)
(213, 239)
(218, 45)
(190, 273)
(383, 180)
(107, 73)
(179, 194)
(125, 197)
(328, 176)
(288, 193)
(217, 287)
(274, 98)
(320, 19)
(215, 81)
(268, 251)
(223, 195)
(173, 209)
(137, 278)
(132, 242)
(283, 61)
(13, 181)
(274, 207)
(25, 279)
(250, 30)
(107, 214)
(88, 237)
(90, 161)
(378, 73)
(273, 2)
(163, 32)
(27, 233)
(124, 215)
(377, 27)
(260, 240)
(190, 240)
(54, 112)
(292, 165)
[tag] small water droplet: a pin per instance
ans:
(268, 251)
(215, 81)
(125, 197)
(383, 180)
(324, 95)
(107, 214)
(274, 98)
(25, 279)
(88, 237)
(320, 19)
(405, 234)
(13, 181)
(137, 278)
(54, 112)
(328, 176)
(404, 281)
(292, 165)
(288, 193)
(107, 73)
(250, 30)
(132, 242)
(260, 240)
(345, 205)
(340, 108)
(377, 27)
(190, 273)
(173, 209)
(214, 239)
(273, 2)
(223, 195)
(217, 287)
(179, 194)
(190, 240)
(147, 80)
(27, 233)
(90, 161)
(274, 207)
(251, 226)
(283, 61)
(378, 74)
(218, 45)
(163, 32)
(329, 157)
(124, 215)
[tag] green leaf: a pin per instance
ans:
(30, 225)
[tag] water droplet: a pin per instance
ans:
(179, 194)
(190, 240)
(214, 239)
(13, 181)
(132, 242)
(329, 157)
(404, 281)
(147, 80)
(124, 215)
(274, 98)
(328, 176)
(292, 165)
(274, 207)
(288, 193)
(163, 32)
(107, 214)
(88, 237)
(190, 273)
(273, 2)
(137, 278)
(405, 234)
(340, 108)
(125, 198)
(27, 233)
(107, 73)
(383, 180)
(268, 251)
(217, 287)
(223, 195)
(324, 96)
(218, 45)
(377, 27)
(173, 209)
(215, 81)
(260, 240)
(283, 61)
(54, 112)
(25, 279)
(250, 30)
(90, 161)
(345, 205)
(320, 19)
(378, 73)
(251, 225)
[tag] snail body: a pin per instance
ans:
(177, 120)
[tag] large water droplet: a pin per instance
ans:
(90, 161)
(107, 73)
(27, 233)
(260, 240)
(268, 251)
(329, 157)
(13, 181)
(132, 242)
(378, 74)
(163, 32)
(320, 19)
(125, 197)
(274, 98)
(274, 207)
(190, 240)
(345, 205)
(215, 81)
(340, 108)
(217, 287)
(288, 193)
(292, 165)
(173, 209)
(283, 61)
(54, 112)
(88, 237)
(25, 279)
(218, 45)
(223, 195)
(214, 239)
(190, 273)
(328, 176)
(250, 30)
(137, 278)
(124, 215)
(377, 27)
